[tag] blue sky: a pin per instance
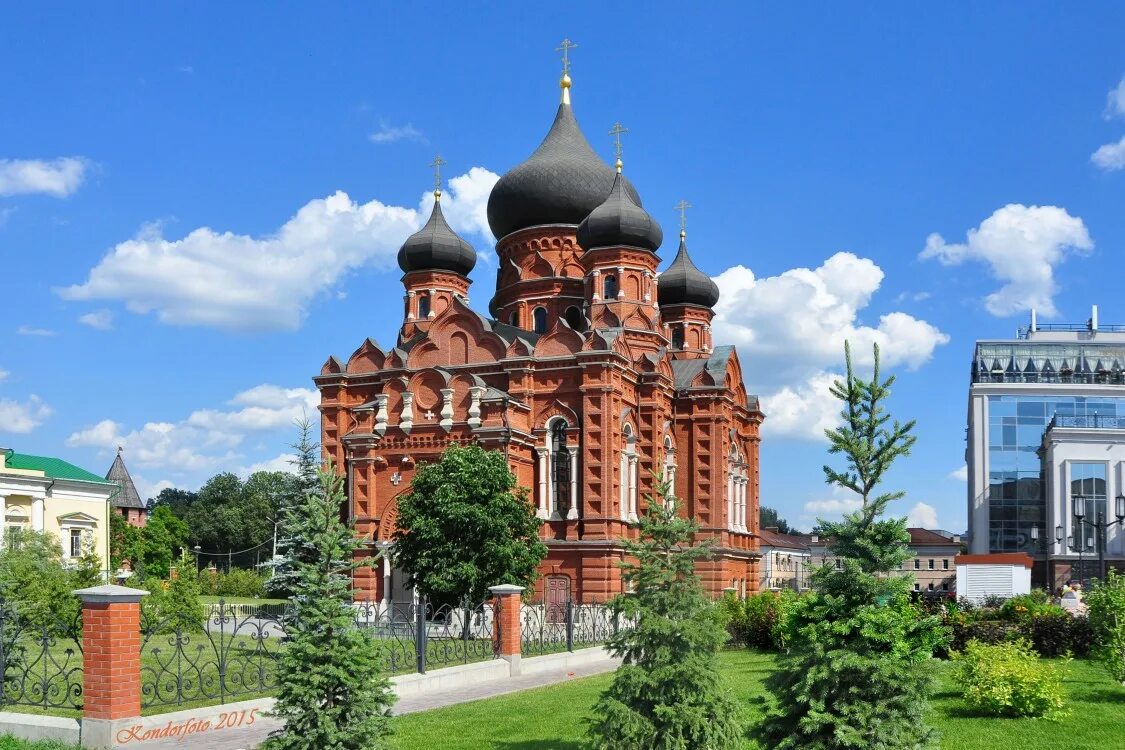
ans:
(199, 203)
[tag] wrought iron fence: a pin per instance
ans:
(229, 655)
(419, 635)
(547, 628)
(40, 658)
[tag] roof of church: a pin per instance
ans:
(619, 222)
(560, 183)
(436, 247)
(128, 497)
(686, 370)
(682, 283)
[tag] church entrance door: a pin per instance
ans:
(558, 592)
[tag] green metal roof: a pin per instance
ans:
(54, 468)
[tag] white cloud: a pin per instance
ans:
(1115, 101)
(793, 327)
(4, 374)
(922, 516)
(99, 319)
(148, 490)
(1111, 156)
(388, 133)
(835, 506)
(239, 282)
(58, 177)
(1022, 245)
(283, 462)
(961, 474)
(33, 331)
(208, 440)
(803, 411)
(23, 417)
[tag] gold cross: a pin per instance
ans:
(436, 164)
(616, 132)
(682, 207)
(566, 47)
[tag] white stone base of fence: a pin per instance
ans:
(35, 727)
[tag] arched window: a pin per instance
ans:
(737, 486)
(575, 319)
(678, 337)
(628, 470)
(609, 287)
(540, 319)
(514, 319)
(560, 468)
(423, 306)
(670, 470)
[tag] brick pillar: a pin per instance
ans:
(111, 654)
(506, 625)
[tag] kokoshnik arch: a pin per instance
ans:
(593, 373)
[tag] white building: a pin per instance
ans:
(1046, 424)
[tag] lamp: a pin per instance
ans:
(1120, 509)
(1035, 533)
(1059, 534)
(1079, 506)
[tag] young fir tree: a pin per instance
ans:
(291, 547)
(855, 674)
(332, 694)
(667, 693)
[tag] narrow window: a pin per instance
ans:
(424, 306)
(514, 319)
(917, 587)
(75, 543)
(575, 319)
(560, 462)
(945, 564)
(917, 564)
(678, 338)
(540, 319)
(609, 287)
(931, 565)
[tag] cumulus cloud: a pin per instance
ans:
(922, 516)
(388, 133)
(794, 325)
(23, 417)
(238, 282)
(208, 439)
(1115, 101)
(961, 474)
(58, 177)
(1111, 156)
(1021, 245)
(99, 319)
(4, 374)
(282, 462)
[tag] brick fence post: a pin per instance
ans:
(111, 661)
(506, 626)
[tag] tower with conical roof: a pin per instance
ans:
(687, 298)
(127, 501)
(435, 263)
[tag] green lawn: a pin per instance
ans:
(552, 718)
(7, 742)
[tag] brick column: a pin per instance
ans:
(111, 654)
(506, 625)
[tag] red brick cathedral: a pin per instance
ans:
(593, 372)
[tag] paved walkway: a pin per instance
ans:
(244, 739)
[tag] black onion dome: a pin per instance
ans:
(619, 222)
(561, 183)
(684, 284)
(436, 247)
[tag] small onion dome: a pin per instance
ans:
(619, 222)
(561, 183)
(436, 247)
(684, 284)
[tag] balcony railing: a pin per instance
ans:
(1092, 422)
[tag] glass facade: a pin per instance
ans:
(1016, 498)
(1089, 481)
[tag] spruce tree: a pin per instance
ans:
(332, 693)
(667, 694)
(855, 675)
(291, 547)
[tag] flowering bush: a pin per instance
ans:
(1009, 679)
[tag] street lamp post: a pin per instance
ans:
(1099, 526)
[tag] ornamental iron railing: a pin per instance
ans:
(547, 628)
(419, 635)
(1093, 421)
(232, 654)
(40, 657)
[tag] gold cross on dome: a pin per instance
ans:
(682, 207)
(616, 132)
(566, 47)
(437, 164)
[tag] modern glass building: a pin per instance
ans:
(1052, 384)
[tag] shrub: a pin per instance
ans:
(1026, 606)
(1055, 632)
(173, 605)
(1009, 679)
(1106, 602)
(758, 620)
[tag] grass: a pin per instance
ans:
(8, 742)
(552, 718)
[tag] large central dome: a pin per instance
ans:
(561, 183)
